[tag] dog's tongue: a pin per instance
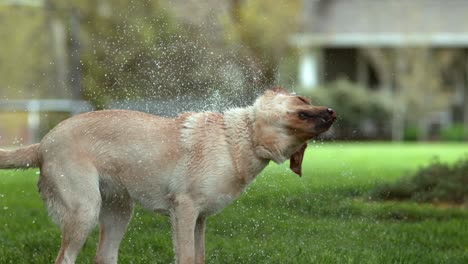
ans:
(295, 162)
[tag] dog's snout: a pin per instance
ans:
(331, 112)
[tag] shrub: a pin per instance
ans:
(362, 113)
(411, 133)
(437, 182)
(455, 132)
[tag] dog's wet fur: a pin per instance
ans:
(95, 166)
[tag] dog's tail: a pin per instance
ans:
(22, 158)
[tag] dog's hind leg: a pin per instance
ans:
(71, 193)
(115, 215)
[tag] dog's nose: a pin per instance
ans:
(331, 112)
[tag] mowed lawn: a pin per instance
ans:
(323, 217)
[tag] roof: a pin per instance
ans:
(384, 23)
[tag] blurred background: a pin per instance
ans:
(393, 70)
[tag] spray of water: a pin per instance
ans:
(166, 73)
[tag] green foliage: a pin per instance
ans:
(361, 112)
(259, 31)
(24, 53)
(411, 133)
(138, 51)
(436, 182)
(282, 218)
(455, 132)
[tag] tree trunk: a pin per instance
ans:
(423, 122)
(398, 120)
(465, 101)
(57, 44)
(75, 62)
(235, 6)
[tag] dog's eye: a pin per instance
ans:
(303, 100)
(304, 115)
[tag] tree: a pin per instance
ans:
(146, 49)
(24, 55)
(259, 31)
(134, 50)
(413, 77)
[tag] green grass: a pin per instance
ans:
(323, 217)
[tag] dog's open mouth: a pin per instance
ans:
(319, 118)
(324, 120)
(328, 120)
(325, 123)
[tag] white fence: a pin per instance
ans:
(34, 107)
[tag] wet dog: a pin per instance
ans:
(95, 166)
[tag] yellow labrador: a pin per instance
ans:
(94, 166)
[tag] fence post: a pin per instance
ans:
(33, 108)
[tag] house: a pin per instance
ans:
(411, 48)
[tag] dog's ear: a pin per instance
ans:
(281, 90)
(295, 162)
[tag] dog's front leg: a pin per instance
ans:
(183, 218)
(200, 240)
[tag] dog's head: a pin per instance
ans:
(284, 122)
